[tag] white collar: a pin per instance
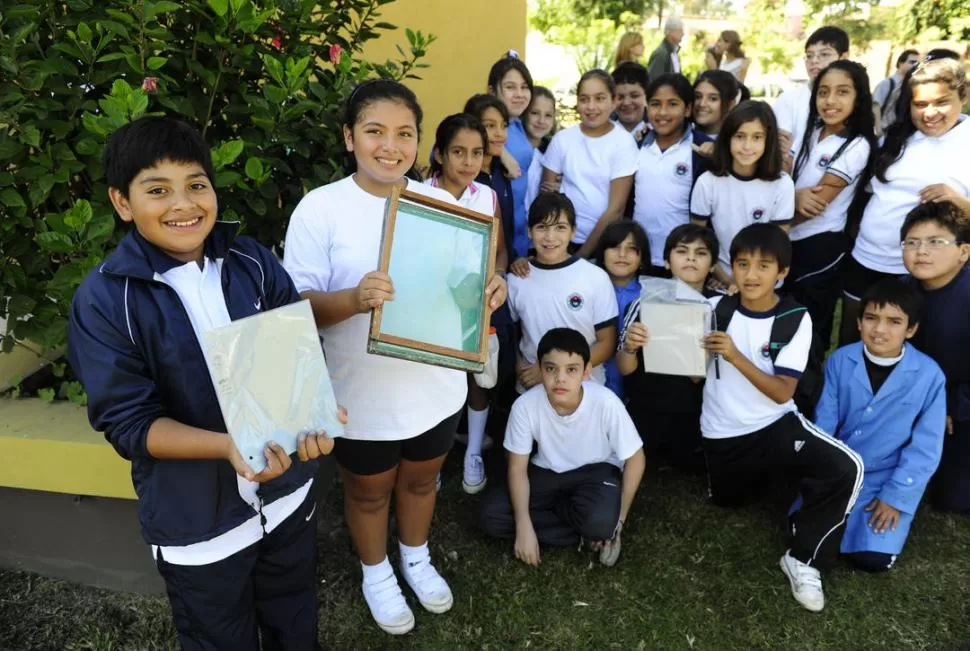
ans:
(883, 361)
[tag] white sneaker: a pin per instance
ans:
(806, 582)
(431, 589)
(388, 607)
(474, 479)
(610, 553)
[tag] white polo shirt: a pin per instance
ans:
(200, 291)
(333, 240)
(733, 406)
(573, 294)
(731, 202)
(588, 166)
(599, 431)
(477, 196)
(662, 184)
(925, 161)
(849, 165)
(791, 111)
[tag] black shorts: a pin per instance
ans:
(856, 279)
(375, 457)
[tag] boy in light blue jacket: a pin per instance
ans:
(887, 401)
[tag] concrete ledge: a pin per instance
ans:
(51, 447)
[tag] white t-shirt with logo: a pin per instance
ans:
(662, 184)
(791, 111)
(849, 165)
(599, 431)
(925, 161)
(731, 202)
(588, 166)
(573, 294)
(333, 240)
(732, 405)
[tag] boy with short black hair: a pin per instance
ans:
(825, 45)
(936, 246)
(887, 401)
(631, 81)
(237, 550)
(666, 409)
(573, 489)
(561, 290)
(749, 421)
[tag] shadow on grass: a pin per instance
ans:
(691, 576)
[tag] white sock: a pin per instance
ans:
(377, 573)
(411, 555)
(476, 431)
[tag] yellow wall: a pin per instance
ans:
(471, 36)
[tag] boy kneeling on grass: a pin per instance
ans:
(237, 550)
(887, 401)
(573, 490)
(750, 424)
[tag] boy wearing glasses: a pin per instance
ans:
(825, 45)
(935, 251)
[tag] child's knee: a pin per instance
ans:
(496, 519)
(873, 562)
(368, 502)
(599, 527)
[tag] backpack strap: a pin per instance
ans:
(788, 318)
(724, 310)
(889, 95)
(698, 164)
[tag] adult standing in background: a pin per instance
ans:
(713, 56)
(733, 59)
(665, 60)
(630, 48)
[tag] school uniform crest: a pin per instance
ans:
(575, 301)
(766, 350)
(758, 214)
(681, 169)
(824, 161)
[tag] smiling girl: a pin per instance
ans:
(540, 125)
(405, 413)
(832, 158)
(923, 159)
(715, 93)
(596, 159)
(746, 184)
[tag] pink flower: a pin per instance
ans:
(276, 42)
(150, 85)
(335, 52)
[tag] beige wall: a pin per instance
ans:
(471, 36)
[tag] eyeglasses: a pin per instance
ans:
(933, 243)
(821, 57)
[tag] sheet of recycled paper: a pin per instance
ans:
(677, 318)
(271, 380)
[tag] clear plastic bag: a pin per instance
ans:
(271, 380)
(677, 318)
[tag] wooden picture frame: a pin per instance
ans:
(435, 318)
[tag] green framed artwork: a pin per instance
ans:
(439, 257)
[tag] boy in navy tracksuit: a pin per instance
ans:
(237, 550)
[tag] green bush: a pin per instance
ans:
(264, 80)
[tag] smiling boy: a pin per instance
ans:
(936, 246)
(589, 461)
(237, 550)
(887, 401)
(749, 421)
(561, 290)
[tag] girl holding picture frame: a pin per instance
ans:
(406, 412)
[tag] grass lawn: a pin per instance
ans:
(691, 577)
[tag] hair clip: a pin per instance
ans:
(512, 54)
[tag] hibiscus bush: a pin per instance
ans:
(264, 81)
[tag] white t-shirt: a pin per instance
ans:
(333, 240)
(732, 405)
(662, 184)
(600, 430)
(731, 202)
(925, 161)
(588, 166)
(791, 112)
(477, 196)
(573, 294)
(850, 164)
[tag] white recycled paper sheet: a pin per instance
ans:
(676, 330)
(271, 380)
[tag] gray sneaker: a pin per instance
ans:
(473, 478)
